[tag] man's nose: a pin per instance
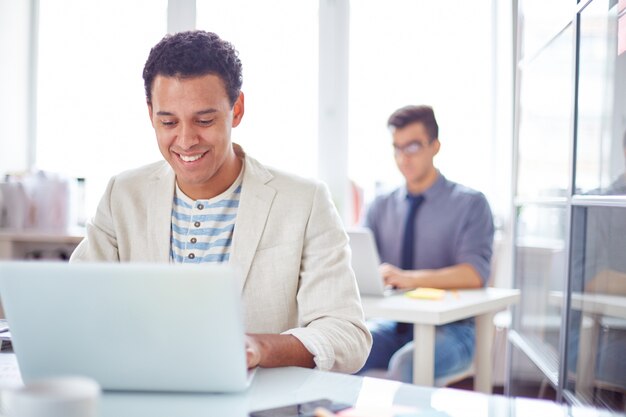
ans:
(401, 156)
(188, 136)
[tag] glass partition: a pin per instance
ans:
(570, 235)
(596, 369)
(545, 120)
(540, 272)
(527, 379)
(601, 133)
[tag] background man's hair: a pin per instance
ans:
(192, 54)
(414, 114)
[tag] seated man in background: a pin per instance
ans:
(209, 202)
(432, 233)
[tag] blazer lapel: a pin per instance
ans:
(159, 214)
(254, 207)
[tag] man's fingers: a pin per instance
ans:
(322, 412)
(253, 354)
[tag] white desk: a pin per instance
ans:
(277, 387)
(426, 314)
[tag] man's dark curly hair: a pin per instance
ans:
(192, 54)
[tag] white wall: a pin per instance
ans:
(14, 84)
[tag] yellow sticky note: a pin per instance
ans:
(426, 293)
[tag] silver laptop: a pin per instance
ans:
(145, 327)
(365, 263)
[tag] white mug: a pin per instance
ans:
(53, 397)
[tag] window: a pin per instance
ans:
(406, 52)
(91, 109)
(91, 104)
(277, 42)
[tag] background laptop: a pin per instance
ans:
(365, 262)
(128, 326)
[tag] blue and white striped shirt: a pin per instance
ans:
(202, 230)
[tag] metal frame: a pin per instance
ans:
(564, 332)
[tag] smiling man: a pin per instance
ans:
(209, 202)
(431, 232)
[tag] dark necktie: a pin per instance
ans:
(408, 243)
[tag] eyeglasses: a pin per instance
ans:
(410, 148)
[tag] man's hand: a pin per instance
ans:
(452, 277)
(275, 350)
(396, 277)
(322, 412)
(253, 352)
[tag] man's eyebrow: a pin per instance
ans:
(200, 112)
(206, 111)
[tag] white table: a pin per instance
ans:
(426, 314)
(282, 386)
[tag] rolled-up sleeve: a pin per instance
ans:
(475, 243)
(332, 325)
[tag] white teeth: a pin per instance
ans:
(191, 158)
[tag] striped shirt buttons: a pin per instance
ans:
(202, 230)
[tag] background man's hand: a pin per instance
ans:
(396, 277)
(452, 277)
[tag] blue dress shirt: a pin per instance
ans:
(454, 225)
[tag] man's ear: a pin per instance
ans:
(238, 110)
(436, 146)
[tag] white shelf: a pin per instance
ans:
(26, 244)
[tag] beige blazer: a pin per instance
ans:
(288, 244)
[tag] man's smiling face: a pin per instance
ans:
(192, 118)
